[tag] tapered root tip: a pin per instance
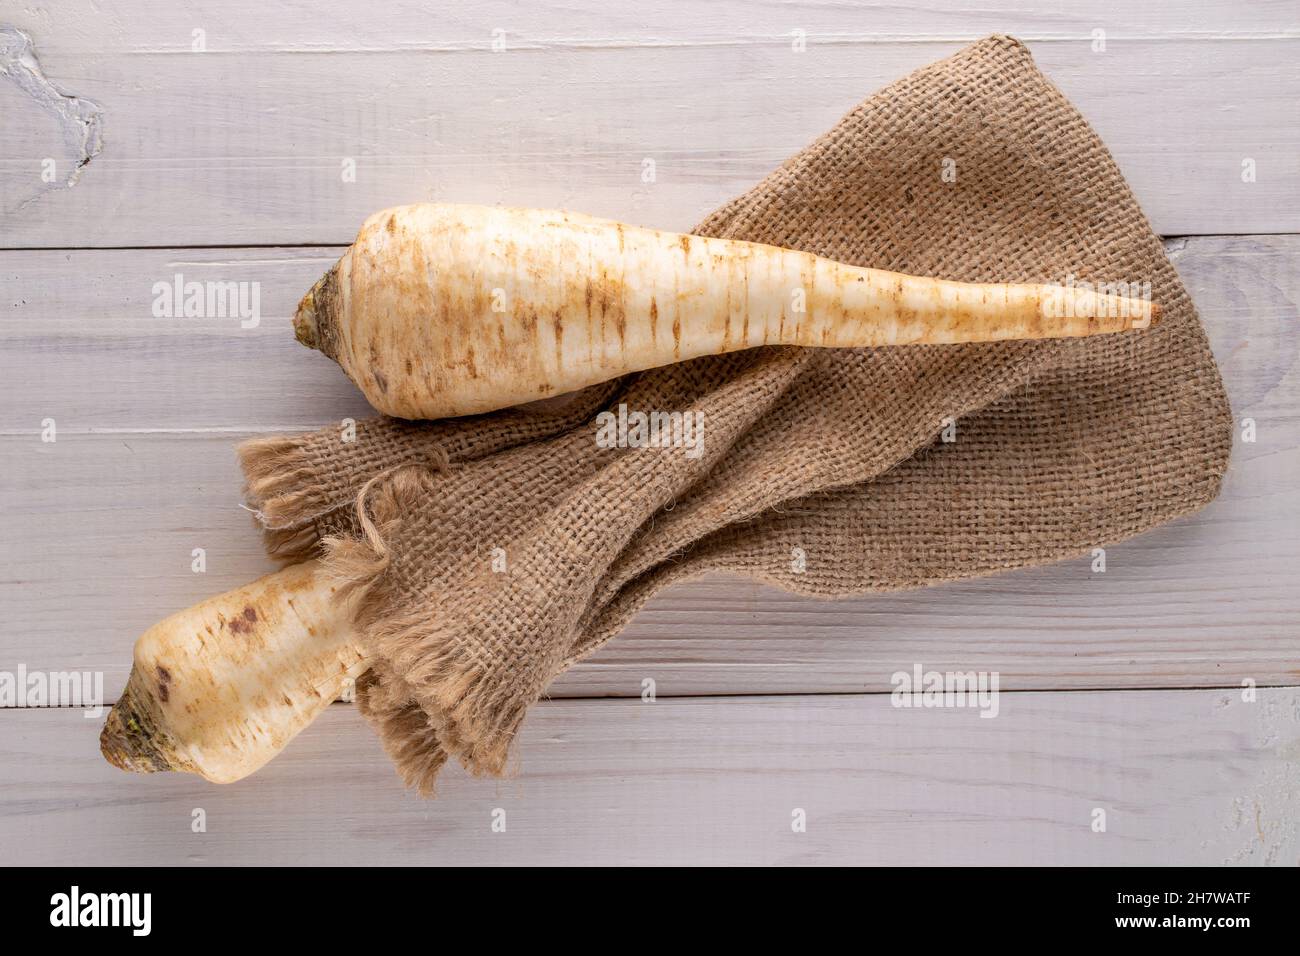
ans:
(129, 740)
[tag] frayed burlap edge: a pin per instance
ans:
(279, 491)
(470, 717)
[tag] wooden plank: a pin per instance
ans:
(100, 525)
(1184, 777)
(244, 143)
(166, 26)
(100, 531)
(79, 342)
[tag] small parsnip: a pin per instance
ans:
(219, 689)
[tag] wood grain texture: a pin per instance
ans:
(81, 344)
(100, 525)
(1184, 777)
(244, 143)
(165, 26)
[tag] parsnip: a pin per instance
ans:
(219, 689)
(445, 310)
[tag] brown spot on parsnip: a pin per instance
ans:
(685, 243)
(559, 339)
(164, 683)
(603, 302)
(744, 325)
(654, 320)
(380, 380)
(243, 623)
(391, 226)
(610, 298)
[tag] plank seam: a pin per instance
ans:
(740, 695)
(341, 245)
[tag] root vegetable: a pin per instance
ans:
(445, 310)
(221, 688)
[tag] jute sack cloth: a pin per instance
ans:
(495, 551)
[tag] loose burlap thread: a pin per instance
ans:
(493, 552)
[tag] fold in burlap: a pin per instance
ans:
(496, 551)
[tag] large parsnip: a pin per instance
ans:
(444, 310)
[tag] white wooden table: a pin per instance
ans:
(212, 139)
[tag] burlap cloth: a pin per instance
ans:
(495, 551)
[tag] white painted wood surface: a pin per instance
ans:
(241, 145)
(1184, 777)
(244, 142)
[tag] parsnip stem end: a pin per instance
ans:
(131, 739)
